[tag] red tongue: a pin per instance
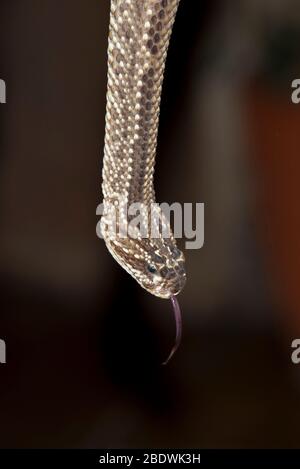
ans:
(178, 322)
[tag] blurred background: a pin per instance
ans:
(84, 341)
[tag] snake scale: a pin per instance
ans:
(139, 35)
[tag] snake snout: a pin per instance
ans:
(178, 285)
(172, 287)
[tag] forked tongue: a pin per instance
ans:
(178, 322)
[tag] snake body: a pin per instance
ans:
(139, 36)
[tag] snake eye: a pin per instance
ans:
(152, 269)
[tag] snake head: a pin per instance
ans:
(156, 263)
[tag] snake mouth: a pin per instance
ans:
(177, 287)
(168, 290)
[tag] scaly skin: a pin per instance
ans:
(139, 36)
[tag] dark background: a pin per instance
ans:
(84, 341)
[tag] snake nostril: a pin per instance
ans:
(171, 274)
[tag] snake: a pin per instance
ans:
(138, 41)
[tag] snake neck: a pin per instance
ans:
(139, 36)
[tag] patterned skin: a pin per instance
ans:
(139, 36)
